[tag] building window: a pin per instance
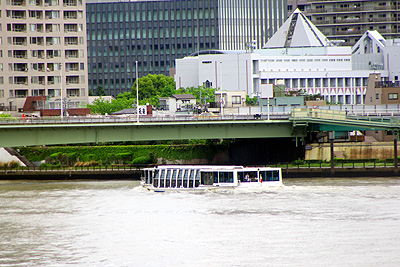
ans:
(236, 100)
(207, 84)
(376, 96)
(393, 96)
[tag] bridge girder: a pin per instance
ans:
(34, 135)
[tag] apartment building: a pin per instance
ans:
(156, 32)
(348, 20)
(43, 52)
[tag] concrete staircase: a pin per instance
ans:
(23, 159)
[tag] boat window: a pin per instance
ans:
(269, 175)
(226, 177)
(180, 172)
(156, 176)
(207, 178)
(192, 174)
(247, 176)
(162, 174)
(161, 183)
(215, 176)
(197, 179)
(185, 178)
(174, 174)
(168, 174)
(155, 182)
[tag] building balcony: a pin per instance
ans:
(70, 3)
(19, 43)
(21, 82)
(21, 56)
(72, 82)
(387, 7)
(18, 3)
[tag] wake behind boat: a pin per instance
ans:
(207, 177)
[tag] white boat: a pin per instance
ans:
(206, 177)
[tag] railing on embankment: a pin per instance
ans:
(129, 172)
(116, 172)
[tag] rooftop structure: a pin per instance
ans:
(297, 31)
(348, 20)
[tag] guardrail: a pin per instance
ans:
(122, 167)
(340, 116)
(133, 119)
(67, 169)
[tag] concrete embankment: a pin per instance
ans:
(339, 172)
(70, 175)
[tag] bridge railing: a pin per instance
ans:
(334, 115)
(142, 119)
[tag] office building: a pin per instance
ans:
(43, 53)
(155, 33)
(302, 59)
(348, 20)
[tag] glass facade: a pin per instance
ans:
(156, 32)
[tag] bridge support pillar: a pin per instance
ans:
(396, 164)
(331, 136)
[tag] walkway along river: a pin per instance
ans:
(128, 172)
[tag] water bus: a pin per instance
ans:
(206, 177)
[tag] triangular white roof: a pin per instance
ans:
(297, 31)
(369, 43)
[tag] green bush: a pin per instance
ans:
(123, 157)
(142, 160)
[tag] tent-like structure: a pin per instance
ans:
(297, 31)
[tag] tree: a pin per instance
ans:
(251, 101)
(152, 87)
(207, 94)
(100, 91)
(102, 106)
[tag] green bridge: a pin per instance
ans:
(74, 131)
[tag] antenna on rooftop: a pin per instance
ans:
(250, 46)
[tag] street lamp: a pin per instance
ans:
(137, 92)
(61, 93)
(11, 101)
(221, 100)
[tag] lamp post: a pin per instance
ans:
(137, 92)
(221, 100)
(10, 108)
(61, 93)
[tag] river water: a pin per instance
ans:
(308, 222)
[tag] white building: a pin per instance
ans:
(178, 102)
(300, 55)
